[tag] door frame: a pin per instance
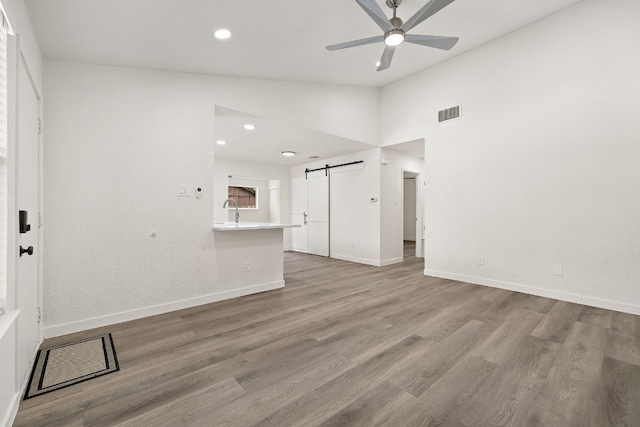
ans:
(419, 210)
(37, 225)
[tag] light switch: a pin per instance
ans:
(183, 191)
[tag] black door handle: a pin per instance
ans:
(24, 227)
(29, 250)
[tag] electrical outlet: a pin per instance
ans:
(245, 267)
(480, 260)
(558, 270)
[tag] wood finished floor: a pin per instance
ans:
(353, 345)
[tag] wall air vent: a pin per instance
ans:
(449, 114)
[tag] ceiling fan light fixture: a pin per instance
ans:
(394, 37)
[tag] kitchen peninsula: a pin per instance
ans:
(250, 255)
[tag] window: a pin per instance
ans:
(3, 163)
(246, 197)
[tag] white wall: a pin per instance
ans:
(541, 169)
(119, 142)
(391, 228)
(225, 167)
(409, 209)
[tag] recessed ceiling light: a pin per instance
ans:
(378, 64)
(288, 153)
(221, 142)
(222, 34)
(249, 126)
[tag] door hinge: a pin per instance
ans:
(39, 220)
(39, 126)
(39, 314)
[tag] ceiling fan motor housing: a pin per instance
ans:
(393, 3)
(396, 22)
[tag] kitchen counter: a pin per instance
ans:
(243, 226)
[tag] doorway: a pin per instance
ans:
(411, 215)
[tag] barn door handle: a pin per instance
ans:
(28, 251)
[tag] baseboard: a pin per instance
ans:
(366, 261)
(125, 316)
(541, 292)
(390, 261)
(356, 259)
(12, 411)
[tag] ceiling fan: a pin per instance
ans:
(395, 31)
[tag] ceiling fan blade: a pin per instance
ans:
(353, 43)
(387, 56)
(439, 42)
(374, 11)
(427, 10)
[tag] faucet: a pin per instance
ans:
(224, 205)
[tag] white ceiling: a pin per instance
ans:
(414, 148)
(271, 40)
(270, 138)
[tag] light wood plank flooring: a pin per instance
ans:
(353, 345)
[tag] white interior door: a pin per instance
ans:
(318, 213)
(419, 218)
(28, 199)
(299, 214)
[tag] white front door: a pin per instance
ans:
(28, 199)
(318, 212)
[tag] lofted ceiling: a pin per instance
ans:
(270, 138)
(271, 40)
